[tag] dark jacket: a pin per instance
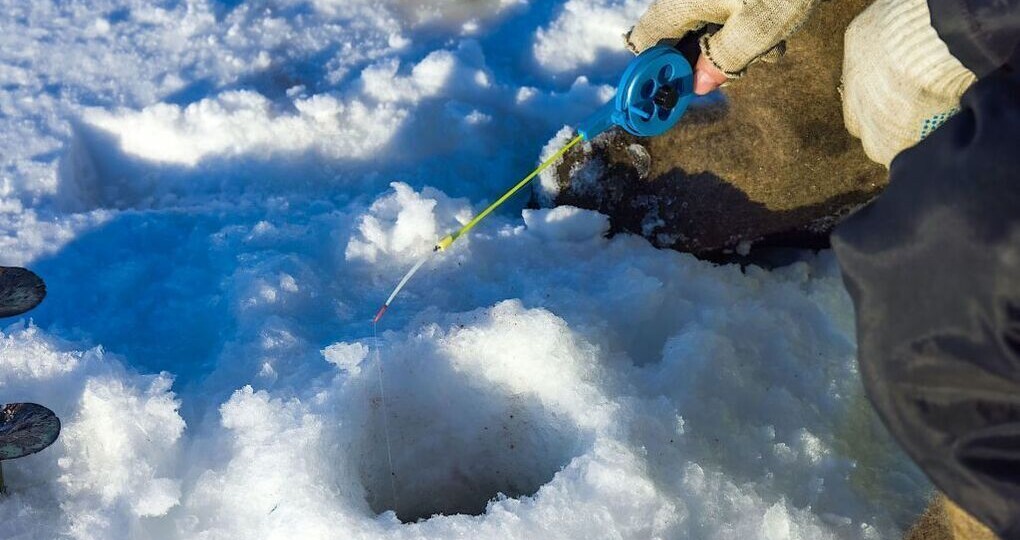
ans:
(981, 34)
(933, 267)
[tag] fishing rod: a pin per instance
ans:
(653, 94)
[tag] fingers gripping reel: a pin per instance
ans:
(652, 95)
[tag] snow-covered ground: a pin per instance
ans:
(219, 194)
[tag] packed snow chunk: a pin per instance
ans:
(493, 404)
(124, 456)
(776, 523)
(583, 31)
(531, 351)
(346, 356)
(114, 462)
(29, 235)
(278, 474)
(428, 78)
(566, 224)
(548, 188)
(381, 82)
(405, 224)
(244, 122)
(26, 357)
(575, 104)
(722, 509)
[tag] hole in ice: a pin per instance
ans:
(458, 441)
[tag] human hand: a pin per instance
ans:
(900, 81)
(750, 31)
(707, 77)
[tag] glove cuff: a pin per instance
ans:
(755, 31)
(900, 81)
(732, 71)
(636, 43)
(919, 51)
(673, 19)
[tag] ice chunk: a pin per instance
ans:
(566, 223)
(346, 356)
(405, 224)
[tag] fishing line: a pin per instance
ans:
(447, 241)
(386, 422)
(440, 246)
(652, 95)
(403, 281)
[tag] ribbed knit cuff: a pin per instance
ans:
(753, 31)
(706, 51)
(920, 52)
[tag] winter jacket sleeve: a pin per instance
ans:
(980, 33)
(933, 267)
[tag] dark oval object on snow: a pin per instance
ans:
(26, 428)
(20, 290)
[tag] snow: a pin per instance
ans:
(548, 188)
(404, 226)
(586, 33)
(242, 122)
(220, 194)
(566, 223)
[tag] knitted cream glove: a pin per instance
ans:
(752, 29)
(899, 80)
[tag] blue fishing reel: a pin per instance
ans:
(653, 94)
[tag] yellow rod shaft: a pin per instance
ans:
(449, 240)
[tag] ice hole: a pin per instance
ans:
(457, 440)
